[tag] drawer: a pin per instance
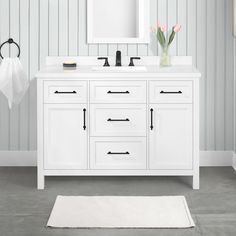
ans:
(65, 91)
(118, 92)
(170, 92)
(118, 120)
(118, 153)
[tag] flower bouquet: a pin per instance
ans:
(165, 38)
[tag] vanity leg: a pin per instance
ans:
(41, 181)
(196, 184)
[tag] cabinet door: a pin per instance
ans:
(65, 136)
(171, 140)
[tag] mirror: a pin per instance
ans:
(118, 21)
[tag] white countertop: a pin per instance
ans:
(180, 71)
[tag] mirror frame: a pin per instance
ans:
(144, 26)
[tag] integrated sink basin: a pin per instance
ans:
(120, 68)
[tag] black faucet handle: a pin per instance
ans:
(106, 60)
(131, 63)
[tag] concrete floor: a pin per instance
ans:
(24, 211)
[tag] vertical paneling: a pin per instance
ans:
(83, 47)
(93, 50)
(112, 48)
(53, 27)
(102, 50)
(229, 83)
(182, 17)
(191, 25)
(73, 27)
(210, 85)
(201, 64)
(162, 14)
(132, 50)
(24, 44)
(123, 48)
(4, 114)
(34, 66)
(44, 29)
(14, 114)
(153, 21)
(63, 18)
(58, 27)
(220, 76)
(172, 19)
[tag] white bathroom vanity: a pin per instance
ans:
(125, 123)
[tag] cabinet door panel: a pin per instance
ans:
(171, 138)
(65, 143)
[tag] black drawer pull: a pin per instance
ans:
(58, 92)
(118, 153)
(110, 120)
(126, 92)
(84, 126)
(151, 110)
(163, 92)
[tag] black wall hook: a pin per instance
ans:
(10, 41)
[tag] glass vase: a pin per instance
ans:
(165, 57)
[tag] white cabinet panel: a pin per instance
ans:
(170, 92)
(118, 153)
(118, 92)
(118, 120)
(171, 137)
(65, 136)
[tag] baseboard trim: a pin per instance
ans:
(18, 158)
(29, 158)
(216, 158)
(234, 161)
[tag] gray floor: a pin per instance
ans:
(24, 210)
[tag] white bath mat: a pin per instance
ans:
(120, 212)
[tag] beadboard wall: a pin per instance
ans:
(58, 27)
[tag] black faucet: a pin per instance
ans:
(118, 58)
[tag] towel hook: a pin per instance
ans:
(10, 41)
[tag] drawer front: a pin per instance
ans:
(118, 153)
(118, 120)
(65, 91)
(170, 92)
(118, 92)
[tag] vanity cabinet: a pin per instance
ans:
(126, 126)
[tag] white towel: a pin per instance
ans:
(13, 80)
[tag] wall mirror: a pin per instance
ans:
(118, 21)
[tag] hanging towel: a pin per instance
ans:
(13, 80)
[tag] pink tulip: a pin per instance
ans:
(177, 28)
(163, 28)
(153, 30)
